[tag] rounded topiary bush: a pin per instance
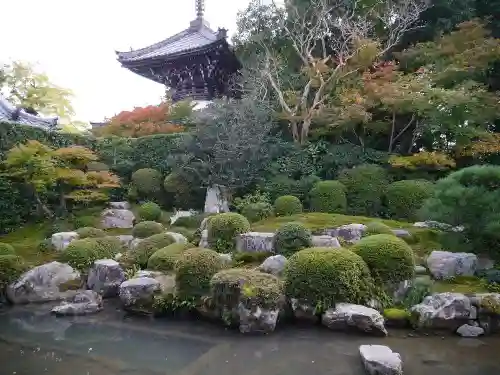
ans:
(80, 254)
(149, 211)
(321, 277)
(107, 247)
(193, 221)
(86, 232)
(6, 249)
(328, 196)
(365, 187)
(165, 258)
(146, 229)
(193, 271)
(287, 205)
(147, 247)
(97, 166)
(11, 267)
(388, 257)
(290, 238)
(147, 181)
(229, 287)
(405, 198)
(257, 211)
(376, 227)
(223, 229)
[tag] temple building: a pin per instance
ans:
(197, 63)
(17, 115)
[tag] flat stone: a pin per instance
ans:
(85, 302)
(325, 241)
(347, 315)
(468, 330)
(401, 233)
(446, 265)
(381, 360)
(105, 277)
(117, 218)
(179, 238)
(61, 240)
(120, 205)
(274, 265)
(255, 242)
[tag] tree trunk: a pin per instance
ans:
(42, 206)
(304, 131)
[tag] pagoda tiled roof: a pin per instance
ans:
(12, 114)
(198, 36)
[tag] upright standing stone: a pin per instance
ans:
(215, 201)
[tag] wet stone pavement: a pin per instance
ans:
(34, 343)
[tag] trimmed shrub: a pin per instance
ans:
(165, 258)
(80, 254)
(193, 222)
(287, 205)
(107, 247)
(147, 181)
(321, 277)
(405, 198)
(146, 229)
(389, 258)
(86, 232)
(252, 288)
(85, 221)
(290, 238)
(149, 211)
(194, 270)
(11, 267)
(6, 249)
(223, 228)
(188, 233)
(257, 211)
(147, 247)
(97, 166)
(328, 196)
(365, 187)
(376, 227)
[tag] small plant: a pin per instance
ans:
(150, 211)
(290, 238)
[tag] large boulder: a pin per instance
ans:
(325, 241)
(61, 240)
(120, 205)
(275, 265)
(256, 318)
(85, 302)
(446, 265)
(444, 311)
(255, 242)
(105, 277)
(137, 294)
(179, 238)
(43, 284)
(347, 316)
(350, 233)
(381, 360)
(117, 218)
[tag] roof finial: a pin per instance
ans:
(200, 8)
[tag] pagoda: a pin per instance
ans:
(197, 63)
(24, 116)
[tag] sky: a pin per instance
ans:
(74, 42)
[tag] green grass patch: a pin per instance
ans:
(460, 284)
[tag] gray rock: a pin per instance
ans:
(105, 277)
(347, 315)
(61, 240)
(381, 360)
(255, 242)
(350, 232)
(120, 205)
(179, 238)
(274, 265)
(215, 201)
(444, 311)
(41, 284)
(303, 311)
(125, 239)
(136, 241)
(167, 281)
(117, 218)
(179, 214)
(446, 265)
(325, 241)
(86, 302)
(203, 244)
(255, 319)
(227, 259)
(204, 224)
(401, 233)
(138, 294)
(467, 330)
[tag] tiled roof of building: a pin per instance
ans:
(12, 114)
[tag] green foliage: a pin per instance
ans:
(365, 187)
(328, 196)
(469, 197)
(405, 198)
(146, 229)
(257, 211)
(396, 314)
(183, 189)
(194, 270)
(147, 181)
(251, 257)
(81, 254)
(389, 258)
(6, 249)
(11, 267)
(85, 221)
(97, 166)
(45, 246)
(376, 227)
(283, 185)
(165, 258)
(223, 229)
(192, 222)
(150, 211)
(90, 232)
(16, 205)
(147, 247)
(287, 205)
(107, 247)
(291, 238)
(322, 277)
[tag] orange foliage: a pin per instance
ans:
(423, 160)
(141, 122)
(487, 144)
(76, 156)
